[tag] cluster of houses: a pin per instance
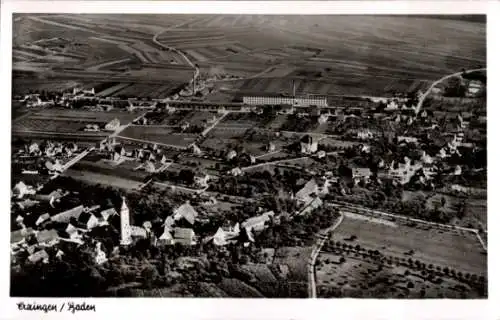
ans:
(54, 153)
(70, 222)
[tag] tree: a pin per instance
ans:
(150, 274)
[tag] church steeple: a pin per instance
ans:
(126, 236)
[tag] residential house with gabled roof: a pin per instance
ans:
(359, 174)
(184, 236)
(258, 223)
(308, 144)
(313, 204)
(41, 219)
(21, 189)
(19, 236)
(65, 217)
(186, 212)
(224, 236)
(41, 255)
(308, 192)
(47, 238)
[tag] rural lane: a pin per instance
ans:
(424, 96)
(169, 48)
(314, 255)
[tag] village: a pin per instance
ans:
(237, 170)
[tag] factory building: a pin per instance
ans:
(294, 101)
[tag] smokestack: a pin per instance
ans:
(293, 88)
(194, 83)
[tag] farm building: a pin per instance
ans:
(187, 212)
(308, 144)
(307, 193)
(112, 125)
(474, 87)
(302, 102)
(257, 223)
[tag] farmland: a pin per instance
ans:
(159, 135)
(359, 277)
(266, 51)
(454, 249)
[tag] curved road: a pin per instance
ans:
(314, 255)
(155, 40)
(424, 96)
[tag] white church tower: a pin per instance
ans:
(126, 234)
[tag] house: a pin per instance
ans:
(41, 255)
(19, 236)
(257, 223)
(100, 256)
(236, 172)
(391, 106)
(73, 232)
(223, 237)
(33, 148)
(92, 127)
(271, 147)
(308, 144)
(65, 217)
(169, 222)
(323, 118)
(184, 236)
(361, 173)
(186, 212)
(313, 204)
(138, 232)
(474, 87)
(21, 189)
(402, 173)
(364, 134)
(407, 139)
(47, 238)
(202, 180)
(308, 192)
(41, 219)
(426, 159)
(196, 150)
(113, 125)
(321, 154)
(231, 155)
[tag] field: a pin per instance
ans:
(63, 124)
(158, 135)
(343, 55)
(359, 277)
(93, 170)
(454, 249)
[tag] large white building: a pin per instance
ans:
(303, 102)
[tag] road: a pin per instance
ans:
(207, 130)
(72, 162)
(153, 142)
(424, 96)
(271, 163)
(322, 237)
(360, 209)
(169, 48)
(181, 188)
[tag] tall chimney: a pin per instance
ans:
(293, 88)
(194, 83)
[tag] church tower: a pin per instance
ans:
(126, 235)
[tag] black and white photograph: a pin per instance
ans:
(248, 156)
